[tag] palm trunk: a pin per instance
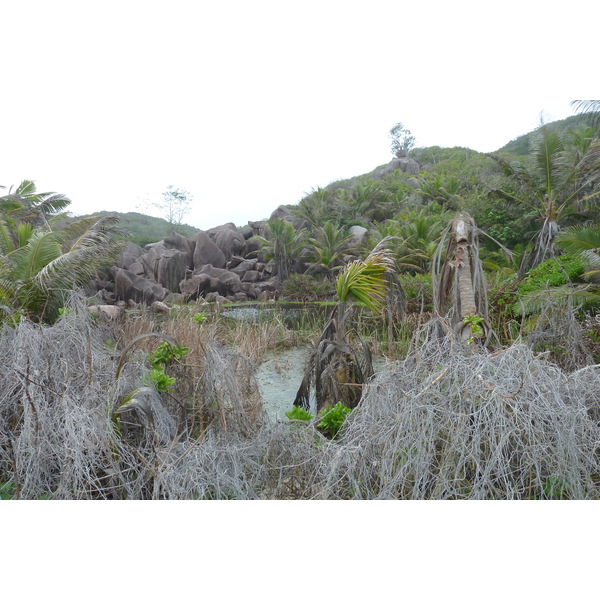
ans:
(465, 284)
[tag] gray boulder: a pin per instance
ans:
(228, 239)
(178, 242)
(359, 235)
(165, 266)
(404, 164)
(198, 286)
(206, 252)
(258, 227)
(245, 266)
(131, 253)
(281, 212)
(251, 277)
(228, 283)
(107, 310)
(247, 231)
(129, 286)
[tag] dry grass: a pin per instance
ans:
(446, 422)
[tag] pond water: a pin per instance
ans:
(279, 376)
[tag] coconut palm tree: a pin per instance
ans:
(458, 279)
(315, 209)
(329, 244)
(552, 186)
(336, 370)
(26, 205)
(42, 258)
(591, 107)
(282, 244)
(413, 238)
(584, 239)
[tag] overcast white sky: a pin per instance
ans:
(251, 104)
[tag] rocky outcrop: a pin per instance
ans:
(404, 164)
(281, 212)
(129, 286)
(221, 264)
(359, 235)
(206, 252)
(228, 239)
(178, 242)
(166, 266)
(130, 254)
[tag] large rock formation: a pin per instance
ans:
(404, 164)
(221, 264)
(206, 252)
(228, 240)
(129, 286)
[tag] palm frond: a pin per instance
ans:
(7, 242)
(364, 281)
(41, 249)
(26, 187)
(578, 238)
(548, 155)
(76, 267)
(93, 231)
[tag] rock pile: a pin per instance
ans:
(221, 264)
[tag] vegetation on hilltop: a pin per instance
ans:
(144, 229)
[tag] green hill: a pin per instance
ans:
(521, 146)
(146, 229)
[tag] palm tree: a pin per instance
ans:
(329, 244)
(42, 259)
(552, 187)
(26, 205)
(365, 202)
(584, 239)
(458, 278)
(282, 244)
(591, 107)
(443, 189)
(336, 370)
(413, 238)
(315, 209)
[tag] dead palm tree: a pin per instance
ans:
(458, 280)
(336, 370)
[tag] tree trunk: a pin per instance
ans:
(465, 283)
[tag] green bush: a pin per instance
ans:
(298, 414)
(166, 353)
(159, 380)
(305, 288)
(332, 419)
(553, 272)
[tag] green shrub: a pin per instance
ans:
(200, 317)
(553, 272)
(166, 353)
(159, 380)
(305, 288)
(7, 490)
(332, 419)
(298, 414)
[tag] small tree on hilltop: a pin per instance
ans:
(402, 140)
(175, 205)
